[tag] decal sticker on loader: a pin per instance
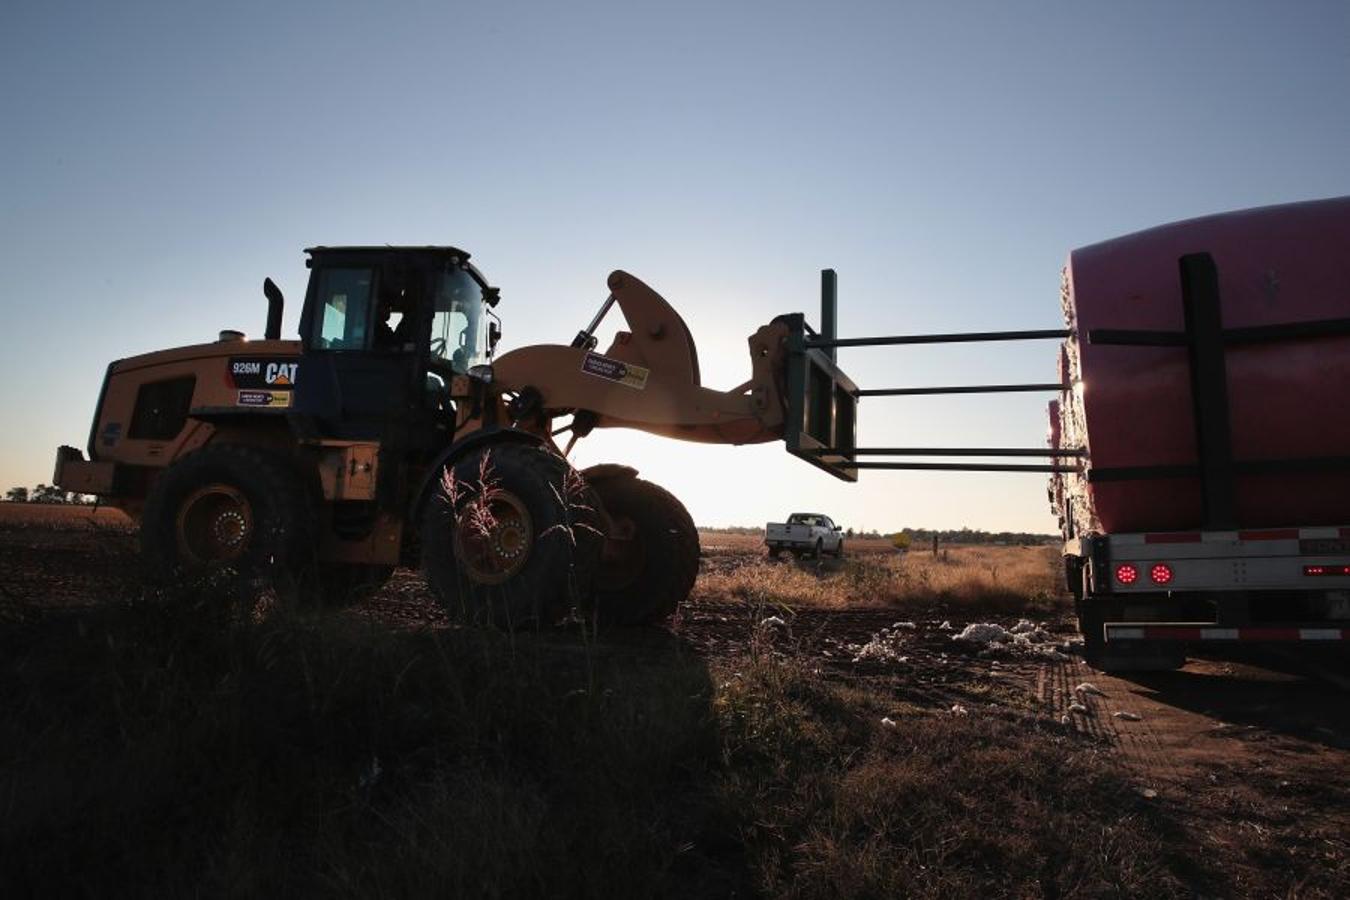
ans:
(270, 399)
(263, 373)
(615, 370)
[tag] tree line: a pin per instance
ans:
(920, 537)
(45, 493)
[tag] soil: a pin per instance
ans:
(1251, 748)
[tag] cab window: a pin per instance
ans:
(458, 330)
(343, 320)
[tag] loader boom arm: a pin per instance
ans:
(648, 378)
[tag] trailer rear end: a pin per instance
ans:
(1207, 375)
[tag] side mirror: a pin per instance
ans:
(839, 528)
(494, 335)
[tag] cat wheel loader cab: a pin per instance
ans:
(388, 435)
(384, 332)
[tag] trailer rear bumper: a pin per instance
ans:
(1117, 632)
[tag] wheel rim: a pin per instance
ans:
(214, 525)
(494, 544)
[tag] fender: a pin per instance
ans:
(608, 472)
(457, 449)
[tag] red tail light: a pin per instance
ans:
(1326, 570)
(1127, 573)
(1161, 573)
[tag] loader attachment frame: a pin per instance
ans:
(822, 405)
(822, 402)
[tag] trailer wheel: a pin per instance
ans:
(508, 538)
(225, 507)
(651, 554)
(1073, 577)
(1090, 626)
(774, 552)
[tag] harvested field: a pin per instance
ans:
(872, 573)
(61, 517)
(799, 730)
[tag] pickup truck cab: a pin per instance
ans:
(805, 534)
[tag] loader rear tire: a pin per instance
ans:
(226, 507)
(651, 554)
(508, 539)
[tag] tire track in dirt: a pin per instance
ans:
(1290, 723)
(1135, 742)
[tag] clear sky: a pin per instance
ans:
(159, 160)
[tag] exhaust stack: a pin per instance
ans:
(275, 304)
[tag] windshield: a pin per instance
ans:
(458, 324)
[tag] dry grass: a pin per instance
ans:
(66, 517)
(1007, 579)
(839, 804)
(165, 749)
(160, 748)
(162, 752)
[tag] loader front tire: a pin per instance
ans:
(508, 539)
(651, 553)
(225, 507)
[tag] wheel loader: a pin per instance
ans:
(392, 434)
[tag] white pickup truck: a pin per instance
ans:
(805, 534)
